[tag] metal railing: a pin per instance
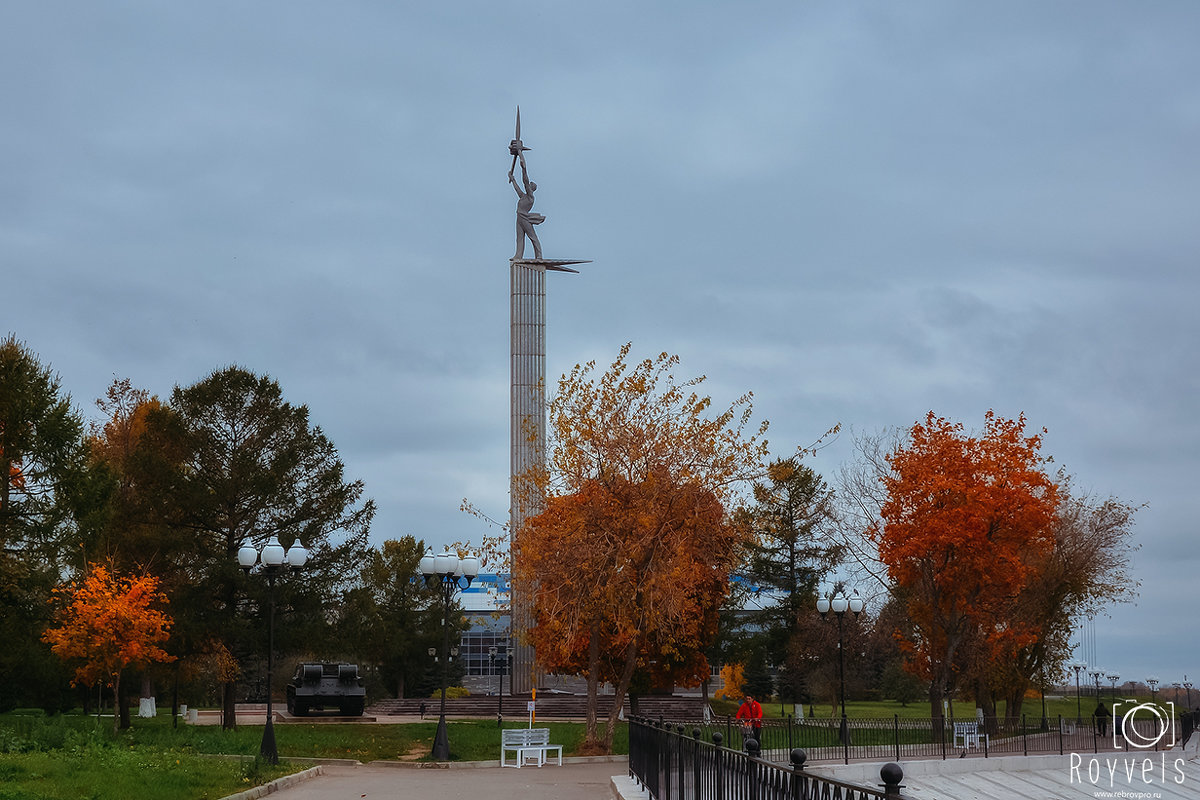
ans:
(881, 738)
(672, 764)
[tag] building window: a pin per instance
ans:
(474, 649)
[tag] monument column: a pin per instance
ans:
(527, 396)
(528, 430)
(528, 438)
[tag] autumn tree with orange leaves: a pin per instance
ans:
(965, 520)
(630, 560)
(109, 623)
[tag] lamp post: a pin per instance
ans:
(271, 561)
(1078, 666)
(1096, 674)
(1152, 682)
(1188, 685)
(839, 605)
(1113, 677)
(446, 571)
(1042, 679)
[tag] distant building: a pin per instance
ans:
(486, 606)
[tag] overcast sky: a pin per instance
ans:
(859, 211)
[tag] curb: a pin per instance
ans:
(278, 784)
(625, 788)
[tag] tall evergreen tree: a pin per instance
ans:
(251, 468)
(792, 519)
(391, 619)
(41, 456)
(43, 484)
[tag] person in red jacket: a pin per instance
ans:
(751, 711)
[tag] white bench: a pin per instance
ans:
(530, 745)
(968, 734)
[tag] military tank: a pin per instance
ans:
(326, 686)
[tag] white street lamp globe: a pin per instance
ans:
(427, 564)
(823, 605)
(297, 556)
(470, 567)
(856, 603)
(839, 603)
(445, 564)
(272, 553)
(247, 556)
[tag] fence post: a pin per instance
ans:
(752, 751)
(942, 735)
(1060, 735)
(696, 764)
(635, 750)
(720, 756)
(1024, 735)
(896, 730)
(789, 721)
(799, 779)
(681, 745)
(664, 764)
(892, 774)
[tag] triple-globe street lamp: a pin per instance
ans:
(271, 562)
(1153, 682)
(492, 651)
(1188, 685)
(1113, 677)
(839, 605)
(449, 573)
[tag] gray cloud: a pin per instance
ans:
(862, 213)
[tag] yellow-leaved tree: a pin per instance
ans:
(733, 677)
(630, 560)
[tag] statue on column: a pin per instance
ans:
(526, 218)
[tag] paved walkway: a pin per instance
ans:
(587, 781)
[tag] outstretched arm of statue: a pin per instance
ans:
(524, 172)
(516, 186)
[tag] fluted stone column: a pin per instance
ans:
(528, 429)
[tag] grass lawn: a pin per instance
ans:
(470, 740)
(112, 773)
(70, 757)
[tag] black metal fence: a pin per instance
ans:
(674, 763)
(881, 739)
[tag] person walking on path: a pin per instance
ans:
(1101, 714)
